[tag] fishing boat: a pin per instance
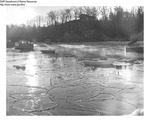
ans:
(24, 45)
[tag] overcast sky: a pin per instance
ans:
(20, 15)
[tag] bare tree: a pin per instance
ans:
(103, 11)
(47, 21)
(62, 16)
(81, 10)
(68, 14)
(29, 23)
(52, 17)
(87, 10)
(75, 12)
(39, 20)
(57, 18)
(94, 12)
(32, 22)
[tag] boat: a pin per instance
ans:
(136, 44)
(121, 65)
(137, 49)
(48, 51)
(99, 63)
(24, 45)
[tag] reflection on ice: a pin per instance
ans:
(31, 65)
(32, 80)
(126, 73)
(31, 71)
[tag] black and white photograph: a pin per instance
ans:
(75, 61)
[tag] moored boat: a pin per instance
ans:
(121, 65)
(137, 49)
(24, 45)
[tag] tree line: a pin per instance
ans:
(109, 23)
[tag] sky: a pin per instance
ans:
(20, 15)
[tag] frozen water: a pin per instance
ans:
(63, 85)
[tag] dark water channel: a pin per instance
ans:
(49, 84)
